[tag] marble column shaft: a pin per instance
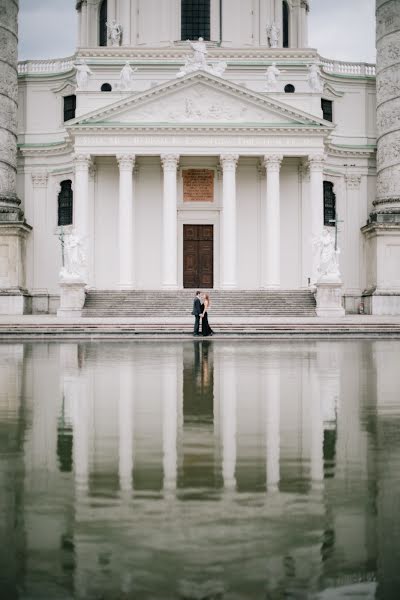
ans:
(388, 107)
(170, 228)
(272, 228)
(9, 203)
(229, 224)
(126, 221)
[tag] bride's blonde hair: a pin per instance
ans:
(207, 297)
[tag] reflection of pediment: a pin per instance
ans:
(199, 98)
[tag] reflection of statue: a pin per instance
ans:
(114, 32)
(272, 73)
(126, 76)
(200, 52)
(328, 263)
(75, 259)
(82, 75)
(314, 78)
(273, 35)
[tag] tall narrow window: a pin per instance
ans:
(69, 107)
(285, 24)
(329, 204)
(65, 203)
(102, 24)
(327, 112)
(195, 19)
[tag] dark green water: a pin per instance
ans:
(193, 470)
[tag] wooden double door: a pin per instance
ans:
(198, 256)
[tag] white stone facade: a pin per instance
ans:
(126, 150)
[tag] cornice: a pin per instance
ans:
(52, 149)
(352, 151)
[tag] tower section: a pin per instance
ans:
(383, 230)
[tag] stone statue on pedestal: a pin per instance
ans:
(199, 53)
(272, 74)
(114, 32)
(273, 35)
(328, 267)
(74, 259)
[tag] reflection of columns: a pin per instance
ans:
(273, 412)
(169, 248)
(81, 196)
(125, 410)
(228, 422)
(126, 220)
(229, 233)
(272, 229)
(317, 206)
(170, 418)
(79, 389)
(317, 431)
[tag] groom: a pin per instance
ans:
(196, 312)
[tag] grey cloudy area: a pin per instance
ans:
(340, 29)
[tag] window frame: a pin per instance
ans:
(331, 105)
(65, 98)
(61, 209)
(102, 20)
(285, 24)
(187, 29)
(328, 210)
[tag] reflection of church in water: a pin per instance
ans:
(114, 424)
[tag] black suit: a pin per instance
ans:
(196, 312)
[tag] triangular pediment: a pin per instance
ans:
(199, 98)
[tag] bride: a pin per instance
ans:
(205, 327)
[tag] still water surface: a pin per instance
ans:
(193, 470)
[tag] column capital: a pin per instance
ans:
(82, 162)
(39, 180)
(272, 162)
(316, 162)
(170, 161)
(229, 161)
(353, 181)
(126, 162)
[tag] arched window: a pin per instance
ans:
(285, 24)
(289, 89)
(106, 87)
(195, 19)
(65, 203)
(102, 24)
(329, 204)
(69, 107)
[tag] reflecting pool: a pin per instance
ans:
(200, 470)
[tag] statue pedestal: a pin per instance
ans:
(14, 299)
(329, 297)
(72, 298)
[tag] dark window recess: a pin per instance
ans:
(65, 203)
(195, 19)
(327, 111)
(102, 24)
(285, 24)
(106, 87)
(329, 204)
(69, 107)
(289, 89)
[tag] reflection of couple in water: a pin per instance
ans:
(201, 305)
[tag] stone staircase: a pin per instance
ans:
(177, 304)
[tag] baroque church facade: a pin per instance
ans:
(201, 143)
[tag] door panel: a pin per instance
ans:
(198, 256)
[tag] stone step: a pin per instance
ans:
(178, 303)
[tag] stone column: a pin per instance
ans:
(126, 222)
(13, 229)
(382, 232)
(229, 233)
(169, 244)
(81, 196)
(272, 229)
(316, 163)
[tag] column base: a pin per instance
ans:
(381, 302)
(271, 286)
(170, 286)
(72, 299)
(329, 299)
(15, 302)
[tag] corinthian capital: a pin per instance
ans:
(126, 162)
(229, 161)
(82, 162)
(272, 162)
(39, 179)
(316, 162)
(170, 162)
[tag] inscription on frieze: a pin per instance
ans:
(198, 185)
